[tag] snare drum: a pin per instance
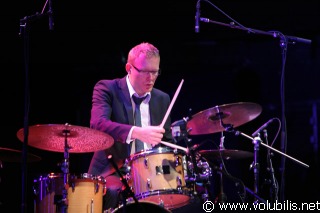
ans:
(158, 176)
(84, 193)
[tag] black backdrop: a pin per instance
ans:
(219, 66)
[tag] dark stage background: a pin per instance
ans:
(220, 65)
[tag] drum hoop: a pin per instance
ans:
(132, 202)
(48, 176)
(153, 151)
(87, 176)
(162, 192)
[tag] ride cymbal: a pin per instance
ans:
(213, 120)
(15, 156)
(54, 137)
(226, 154)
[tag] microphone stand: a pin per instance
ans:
(284, 40)
(274, 34)
(257, 142)
(24, 30)
(274, 185)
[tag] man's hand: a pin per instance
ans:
(149, 134)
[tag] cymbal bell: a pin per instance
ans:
(55, 137)
(227, 154)
(212, 119)
(15, 156)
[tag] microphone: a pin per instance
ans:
(262, 127)
(197, 26)
(50, 14)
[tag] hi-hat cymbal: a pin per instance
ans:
(209, 121)
(226, 154)
(11, 155)
(54, 137)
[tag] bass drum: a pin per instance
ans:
(141, 207)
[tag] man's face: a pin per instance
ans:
(142, 75)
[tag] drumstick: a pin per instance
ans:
(174, 146)
(171, 104)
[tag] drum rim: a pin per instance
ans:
(72, 177)
(166, 205)
(132, 202)
(162, 192)
(87, 176)
(158, 150)
(48, 176)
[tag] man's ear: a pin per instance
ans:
(128, 68)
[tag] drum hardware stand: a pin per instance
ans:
(199, 177)
(222, 198)
(272, 181)
(179, 130)
(63, 203)
(127, 191)
(255, 165)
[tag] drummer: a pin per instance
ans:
(113, 112)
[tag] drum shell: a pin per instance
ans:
(158, 176)
(47, 189)
(84, 193)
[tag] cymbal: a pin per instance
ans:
(11, 155)
(209, 121)
(225, 154)
(53, 137)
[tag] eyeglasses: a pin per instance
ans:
(154, 73)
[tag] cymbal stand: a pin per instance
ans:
(255, 165)
(222, 198)
(63, 204)
(273, 182)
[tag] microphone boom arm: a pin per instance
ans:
(273, 149)
(274, 34)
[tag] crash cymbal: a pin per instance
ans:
(209, 121)
(15, 156)
(52, 137)
(226, 154)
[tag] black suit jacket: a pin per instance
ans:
(112, 113)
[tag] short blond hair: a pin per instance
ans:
(143, 48)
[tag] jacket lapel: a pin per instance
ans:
(125, 96)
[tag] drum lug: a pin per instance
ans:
(179, 182)
(149, 183)
(146, 162)
(96, 184)
(73, 185)
(104, 189)
(177, 161)
(175, 151)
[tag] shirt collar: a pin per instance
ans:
(133, 92)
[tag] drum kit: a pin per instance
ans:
(165, 176)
